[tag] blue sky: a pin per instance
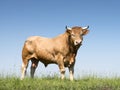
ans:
(100, 52)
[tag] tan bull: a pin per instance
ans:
(60, 50)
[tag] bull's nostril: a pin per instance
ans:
(77, 42)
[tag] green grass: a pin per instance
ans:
(55, 83)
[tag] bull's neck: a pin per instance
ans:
(71, 47)
(66, 42)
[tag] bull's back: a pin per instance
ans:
(34, 42)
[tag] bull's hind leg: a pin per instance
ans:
(24, 68)
(33, 66)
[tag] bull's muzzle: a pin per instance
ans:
(77, 42)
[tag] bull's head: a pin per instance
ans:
(76, 34)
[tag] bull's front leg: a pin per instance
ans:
(62, 70)
(60, 63)
(71, 72)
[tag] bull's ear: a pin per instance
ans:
(85, 31)
(68, 30)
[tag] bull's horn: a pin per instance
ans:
(68, 28)
(85, 27)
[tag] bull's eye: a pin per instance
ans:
(81, 35)
(73, 35)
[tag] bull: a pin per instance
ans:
(60, 50)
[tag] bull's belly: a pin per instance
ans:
(45, 57)
(49, 58)
(46, 62)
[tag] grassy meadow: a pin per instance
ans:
(55, 83)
